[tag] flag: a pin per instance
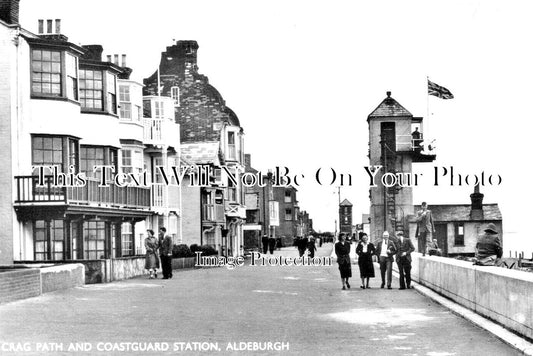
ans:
(438, 91)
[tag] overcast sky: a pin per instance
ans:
(302, 76)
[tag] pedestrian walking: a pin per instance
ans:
(302, 245)
(165, 252)
(151, 261)
(264, 242)
(365, 250)
(403, 259)
(385, 251)
(342, 250)
(311, 246)
(271, 244)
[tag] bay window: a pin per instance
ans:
(91, 89)
(46, 72)
(97, 91)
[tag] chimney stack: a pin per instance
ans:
(94, 52)
(47, 29)
(476, 212)
(9, 11)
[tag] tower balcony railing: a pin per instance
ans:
(29, 192)
(406, 143)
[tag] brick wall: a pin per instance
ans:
(202, 109)
(18, 284)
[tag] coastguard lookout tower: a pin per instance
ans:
(396, 141)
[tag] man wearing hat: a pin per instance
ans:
(425, 227)
(385, 251)
(489, 247)
(403, 259)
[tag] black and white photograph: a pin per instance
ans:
(251, 177)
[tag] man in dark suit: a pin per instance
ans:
(403, 259)
(385, 251)
(165, 252)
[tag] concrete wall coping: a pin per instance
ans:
(61, 268)
(503, 272)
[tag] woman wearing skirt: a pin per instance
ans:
(365, 250)
(342, 250)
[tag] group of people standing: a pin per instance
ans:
(304, 243)
(401, 248)
(158, 249)
(269, 244)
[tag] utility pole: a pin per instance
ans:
(339, 193)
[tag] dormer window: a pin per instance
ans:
(231, 146)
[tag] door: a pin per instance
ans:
(388, 137)
(441, 234)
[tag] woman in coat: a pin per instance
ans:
(365, 250)
(342, 250)
(151, 262)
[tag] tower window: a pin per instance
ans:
(175, 94)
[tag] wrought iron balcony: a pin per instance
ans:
(112, 196)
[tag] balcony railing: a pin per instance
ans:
(213, 212)
(160, 131)
(28, 191)
(165, 197)
(235, 210)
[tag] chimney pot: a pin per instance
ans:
(49, 24)
(41, 27)
(58, 26)
(116, 59)
(123, 60)
(109, 58)
(388, 94)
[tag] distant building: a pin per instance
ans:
(459, 225)
(262, 213)
(345, 217)
(288, 211)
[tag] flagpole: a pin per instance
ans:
(158, 82)
(424, 129)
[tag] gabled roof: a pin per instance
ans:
(390, 108)
(346, 202)
(201, 153)
(460, 212)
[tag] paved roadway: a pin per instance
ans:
(302, 306)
